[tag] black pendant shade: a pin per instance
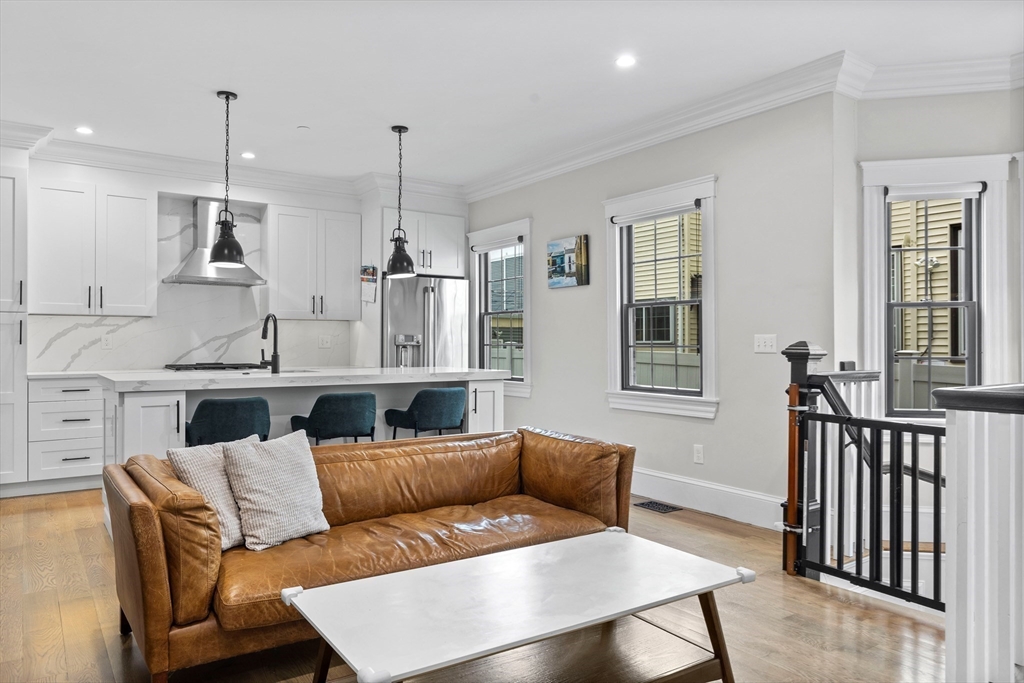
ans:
(400, 264)
(226, 251)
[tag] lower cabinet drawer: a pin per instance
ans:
(65, 458)
(65, 419)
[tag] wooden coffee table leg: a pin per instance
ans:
(323, 662)
(707, 605)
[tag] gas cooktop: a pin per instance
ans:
(177, 367)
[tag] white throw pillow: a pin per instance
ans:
(276, 488)
(202, 468)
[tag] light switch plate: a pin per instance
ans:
(764, 343)
(107, 342)
(698, 453)
(324, 341)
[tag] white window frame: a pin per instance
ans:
(621, 211)
(481, 242)
(1000, 353)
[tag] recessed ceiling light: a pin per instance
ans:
(625, 61)
(83, 130)
(248, 155)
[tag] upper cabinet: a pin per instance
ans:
(314, 263)
(92, 250)
(13, 233)
(437, 243)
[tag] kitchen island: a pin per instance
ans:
(84, 420)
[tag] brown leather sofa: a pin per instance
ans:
(392, 506)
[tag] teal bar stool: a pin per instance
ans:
(217, 420)
(430, 409)
(339, 415)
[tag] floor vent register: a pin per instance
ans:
(657, 507)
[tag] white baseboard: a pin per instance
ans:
(35, 488)
(741, 505)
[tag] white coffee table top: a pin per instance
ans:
(395, 626)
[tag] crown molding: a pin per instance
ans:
(22, 135)
(946, 78)
(99, 156)
(369, 182)
(814, 78)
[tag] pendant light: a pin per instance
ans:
(400, 264)
(227, 252)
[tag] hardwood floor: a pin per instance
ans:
(59, 611)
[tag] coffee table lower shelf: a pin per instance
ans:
(627, 650)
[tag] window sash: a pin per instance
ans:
(487, 345)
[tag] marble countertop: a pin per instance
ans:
(169, 380)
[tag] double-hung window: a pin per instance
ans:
(932, 312)
(501, 275)
(661, 300)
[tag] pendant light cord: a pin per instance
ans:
(227, 147)
(400, 181)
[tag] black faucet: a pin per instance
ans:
(275, 357)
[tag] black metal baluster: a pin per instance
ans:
(841, 498)
(896, 509)
(937, 519)
(823, 494)
(875, 532)
(860, 498)
(914, 512)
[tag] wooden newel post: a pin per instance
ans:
(803, 358)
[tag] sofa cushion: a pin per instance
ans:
(275, 486)
(372, 480)
(191, 536)
(249, 590)
(571, 471)
(202, 468)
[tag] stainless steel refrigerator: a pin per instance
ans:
(426, 322)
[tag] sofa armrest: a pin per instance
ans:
(572, 472)
(140, 566)
(624, 483)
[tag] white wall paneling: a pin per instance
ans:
(13, 236)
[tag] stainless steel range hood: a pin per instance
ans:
(196, 268)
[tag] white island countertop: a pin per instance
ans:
(169, 380)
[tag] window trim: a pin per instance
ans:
(676, 198)
(480, 242)
(1000, 354)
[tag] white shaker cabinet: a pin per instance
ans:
(92, 250)
(13, 233)
(65, 428)
(153, 421)
(314, 264)
(437, 243)
(13, 399)
(485, 406)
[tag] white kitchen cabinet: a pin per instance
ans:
(61, 459)
(92, 251)
(13, 235)
(13, 399)
(485, 406)
(153, 421)
(437, 243)
(65, 428)
(314, 264)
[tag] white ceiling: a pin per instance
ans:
(484, 86)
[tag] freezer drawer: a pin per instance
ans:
(50, 420)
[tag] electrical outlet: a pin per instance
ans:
(764, 343)
(107, 342)
(325, 341)
(698, 454)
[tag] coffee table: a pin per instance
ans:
(392, 627)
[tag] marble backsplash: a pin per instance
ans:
(195, 323)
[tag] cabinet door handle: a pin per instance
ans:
(81, 457)
(69, 391)
(101, 297)
(77, 419)
(474, 400)
(423, 258)
(20, 335)
(89, 305)
(177, 414)
(313, 309)
(321, 305)
(430, 253)
(21, 292)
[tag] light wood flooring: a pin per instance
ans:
(59, 611)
